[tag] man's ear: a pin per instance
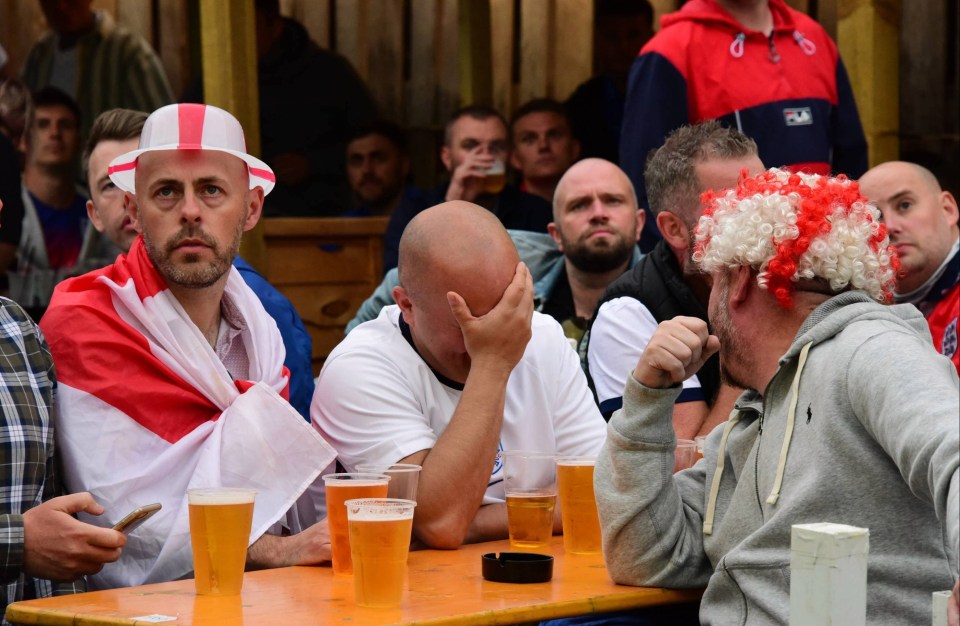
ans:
(641, 222)
(554, 233)
(402, 298)
(741, 281)
(254, 208)
(446, 157)
(949, 204)
(130, 206)
(94, 216)
(673, 229)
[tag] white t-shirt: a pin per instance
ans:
(377, 401)
(618, 337)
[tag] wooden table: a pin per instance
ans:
(444, 587)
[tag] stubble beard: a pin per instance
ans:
(193, 273)
(731, 348)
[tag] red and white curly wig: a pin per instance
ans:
(797, 227)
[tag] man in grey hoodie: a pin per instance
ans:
(850, 416)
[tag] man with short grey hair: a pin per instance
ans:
(666, 282)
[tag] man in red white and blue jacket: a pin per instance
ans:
(761, 67)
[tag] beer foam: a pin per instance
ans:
(379, 516)
(352, 482)
(576, 461)
(216, 496)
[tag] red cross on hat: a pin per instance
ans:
(191, 127)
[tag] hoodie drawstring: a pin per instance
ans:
(736, 48)
(717, 474)
(788, 433)
(781, 464)
(805, 44)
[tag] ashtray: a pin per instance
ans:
(517, 567)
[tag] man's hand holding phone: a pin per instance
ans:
(136, 517)
(58, 546)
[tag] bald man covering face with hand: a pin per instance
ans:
(460, 369)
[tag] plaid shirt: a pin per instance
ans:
(27, 466)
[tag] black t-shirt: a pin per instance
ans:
(560, 306)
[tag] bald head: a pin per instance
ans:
(899, 171)
(591, 172)
(457, 246)
(920, 217)
(596, 223)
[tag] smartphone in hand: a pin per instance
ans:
(136, 517)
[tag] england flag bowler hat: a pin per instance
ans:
(191, 127)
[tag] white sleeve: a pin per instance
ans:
(618, 337)
(364, 407)
(579, 428)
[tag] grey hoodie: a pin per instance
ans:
(875, 443)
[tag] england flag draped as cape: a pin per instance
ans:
(146, 411)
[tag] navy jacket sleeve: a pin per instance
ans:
(656, 105)
(296, 339)
(849, 142)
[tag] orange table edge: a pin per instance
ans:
(444, 587)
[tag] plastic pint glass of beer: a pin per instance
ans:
(220, 520)
(578, 507)
(339, 489)
(495, 178)
(404, 478)
(530, 483)
(379, 541)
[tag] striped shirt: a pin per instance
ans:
(115, 68)
(27, 466)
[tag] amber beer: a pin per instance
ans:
(380, 532)
(220, 520)
(530, 519)
(578, 506)
(339, 489)
(495, 178)
(530, 487)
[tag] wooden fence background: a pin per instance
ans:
(410, 54)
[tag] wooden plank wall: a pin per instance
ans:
(417, 86)
(930, 89)
(409, 51)
(865, 29)
(22, 23)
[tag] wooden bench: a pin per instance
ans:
(327, 267)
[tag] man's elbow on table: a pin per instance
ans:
(623, 573)
(628, 561)
(445, 531)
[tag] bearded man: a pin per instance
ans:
(170, 370)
